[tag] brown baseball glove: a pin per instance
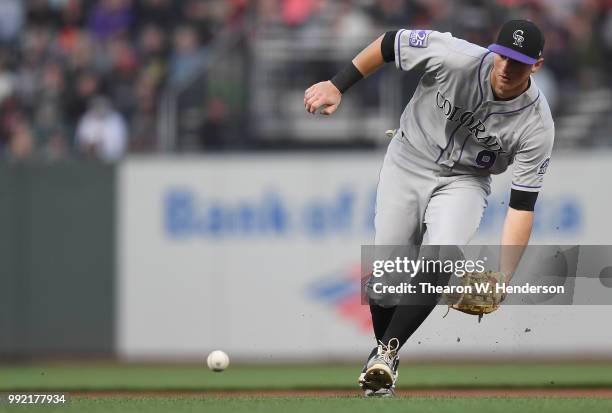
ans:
(481, 297)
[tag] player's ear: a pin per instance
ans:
(537, 65)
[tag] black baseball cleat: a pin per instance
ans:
(379, 375)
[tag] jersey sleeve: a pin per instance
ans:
(421, 49)
(532, 159)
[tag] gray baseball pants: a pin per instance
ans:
(419, 202)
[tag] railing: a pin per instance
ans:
(284, 68)
(187, 108)
(249, 93)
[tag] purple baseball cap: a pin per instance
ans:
(519, 40)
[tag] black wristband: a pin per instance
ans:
(346, 78)
(523, 200)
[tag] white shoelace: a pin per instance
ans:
(388, 351)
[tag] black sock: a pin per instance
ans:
(381, 317)
(405, 321)
(413, 310)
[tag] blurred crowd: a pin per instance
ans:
(83, 78)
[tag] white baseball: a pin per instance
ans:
(217, 360)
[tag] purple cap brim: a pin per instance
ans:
(512, 54)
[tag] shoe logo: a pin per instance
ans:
(518, 38)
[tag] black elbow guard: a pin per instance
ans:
(523, 200)
(387, 47)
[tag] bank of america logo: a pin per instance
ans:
(341, 292)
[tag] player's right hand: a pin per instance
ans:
(322, 95)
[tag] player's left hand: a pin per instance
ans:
(322, 94)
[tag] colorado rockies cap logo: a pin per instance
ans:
(518, 38)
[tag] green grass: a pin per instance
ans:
(98, 376)
(128, 377)
(336, 405)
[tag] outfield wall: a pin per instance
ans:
(258, 255)
(57, 259)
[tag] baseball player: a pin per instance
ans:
(474, 112)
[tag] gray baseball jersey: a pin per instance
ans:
(454, 120)
(453, 135)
